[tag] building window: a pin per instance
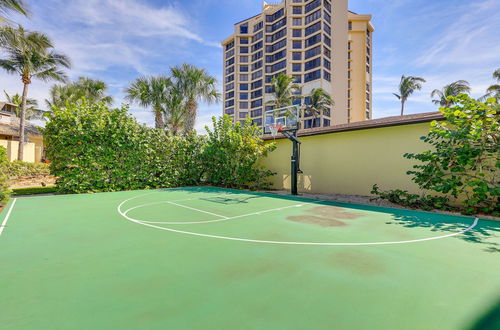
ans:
(230, 70)
(312, 64)
(368, 68)
(243, 96)
(297, 22)
(312, 40)
(275, 16)
(257, 65)
(230, 62)
(277, 56)
(297, 44)
(244, 59)
(230, 53)
(326, 122)
(312, 52)
(257, 75)
(313, 28)
(314, 16)
(326, 64)
(256, 103)
(256, 84)
(258, 26)
(257, 122)
(368, 105)
(328, 5)
(269, 89)
(244, 50)
(243, 87)
(276, 67)
(368, 115)
(314, 75)
(297, 10)
(229, 86)
(230, 78)
(230, 45)
(296, 67)
(256, 113)
(243, 105)
(367, 87)
(229, 103)
(276, 46)
(327, 17)
(256, 46)
(368, 96)
(327, 28)
(229, 111)
(298, 79)
(257, 55)
(244, 41)
(297, 33)
(327, 52)
(312, 5)
(243, 115)
(296, 56)
(368, 50)
(276, 36)
(244, 68)
(258, 36)
(244, 29)
(230, 95)
(349, 26)
(255, 94)
(278, 25)
(328, 41)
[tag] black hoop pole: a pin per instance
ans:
(295, 160)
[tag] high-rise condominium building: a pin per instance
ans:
(319, 42)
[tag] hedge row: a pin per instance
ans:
(4, 188)
(93, 148)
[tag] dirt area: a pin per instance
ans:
(364, 200)
(30, 182)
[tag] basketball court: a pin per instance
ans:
(210, 258)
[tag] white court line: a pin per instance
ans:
(476, 220)
(195, 209)
(4, 223)
(216, 220)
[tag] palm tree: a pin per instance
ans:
(493, 90)
(320, 101)
(196, 85)
(453, 89)
(30, 55)
(32, 113)
(407, 87)
(7, 6)
(92, 90)
(175, 111)
(284, 91)
(151, 92)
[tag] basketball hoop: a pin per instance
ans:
(275, 129)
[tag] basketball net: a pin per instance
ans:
(275, 129)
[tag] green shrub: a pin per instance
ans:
(34, 191)
(4, 188)
(232, 153)
(93, 148)
(463, 163)
(404, 198)
(24, 169)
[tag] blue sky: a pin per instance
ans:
(119, 40)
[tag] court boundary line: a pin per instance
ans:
(476, 221)
(7, 216)
(210, 221)
(198, 210)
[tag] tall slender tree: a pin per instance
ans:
(197, 85)
(31, 55)
(319, 102)
(407, 86)
(151, 92)
(284, 91)
(32, 111)
(91, 89)
(453, 89)
(175, 111)
(493, 90)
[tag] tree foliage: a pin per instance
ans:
(232, 153)
(453, 89)
(4, 189)
(91, 89)
(407, 86)
(463, 162)
(285, 91)
(94, 148)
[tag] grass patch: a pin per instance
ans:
(34, 191)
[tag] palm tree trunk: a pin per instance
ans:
(402, 107)
(20, 151)
(191, 109)
(159, 123)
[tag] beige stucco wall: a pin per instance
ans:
(32, 150)
(351, 162)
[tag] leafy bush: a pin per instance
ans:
(4, 188)
(34, 191)
(231, 155)
(404, 198)
(24, 169)
(93, 148)
(463, 163)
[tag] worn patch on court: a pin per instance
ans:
(325, 216)
(315, 220)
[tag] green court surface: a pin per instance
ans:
(208, 258)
